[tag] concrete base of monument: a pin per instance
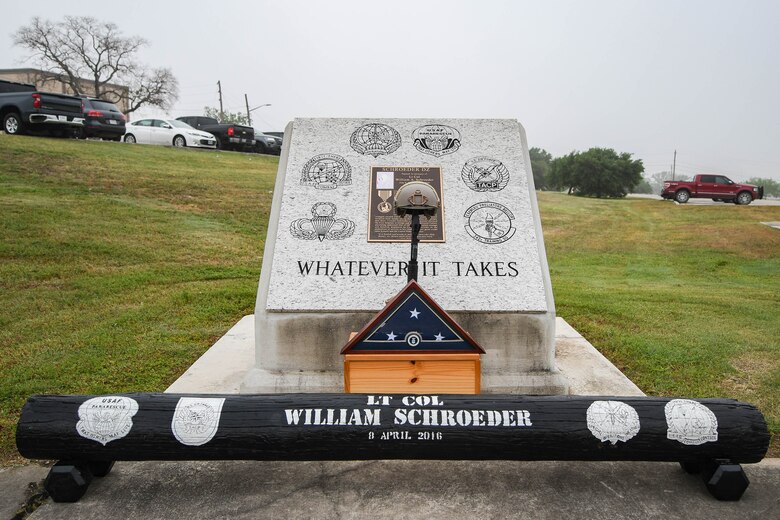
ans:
(229, 367)
(260, 381)
(300, 351)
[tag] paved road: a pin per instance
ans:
(414, 489)
(706, 202)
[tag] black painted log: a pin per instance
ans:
(360, 427)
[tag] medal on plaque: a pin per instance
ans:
(385, 184)
(384, 206)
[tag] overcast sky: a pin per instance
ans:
(702, 77)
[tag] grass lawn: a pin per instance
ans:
(120, 265)
(684, 299)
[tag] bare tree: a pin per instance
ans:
(156, 87)
(78, 49)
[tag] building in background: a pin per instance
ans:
(57, 83)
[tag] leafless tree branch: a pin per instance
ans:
(83, 47)
(157, 87)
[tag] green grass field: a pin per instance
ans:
(120, 265)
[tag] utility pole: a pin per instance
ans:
(221, 112)
(674, 164)
(250, 110)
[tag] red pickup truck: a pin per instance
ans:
(715, 187)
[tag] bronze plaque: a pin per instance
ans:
(383, 224)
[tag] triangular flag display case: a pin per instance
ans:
(412, 346)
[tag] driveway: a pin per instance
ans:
(705, 202)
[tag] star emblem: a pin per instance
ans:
(414, 313)
(391, 336)
(439, 337)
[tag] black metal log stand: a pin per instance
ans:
(413, 268)
(87, 433)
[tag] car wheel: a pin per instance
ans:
(682, 196)
(219, 143)
(179, 142)
(12, 124)
(744, 198)
(261, 148)
(130, 138)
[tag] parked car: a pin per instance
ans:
(102, 119)
(280, 135)
(267, 144)
(715, 187)
(26, 110)
(229, 136)
(167, 132)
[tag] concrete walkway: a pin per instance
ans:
(414, 489)
(398, 489)
(17, 485)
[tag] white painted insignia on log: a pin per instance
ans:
(106, 419)
(612, 421)
(196, 419)
(690, 422)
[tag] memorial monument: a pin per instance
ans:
(333, 259)
(336, 252)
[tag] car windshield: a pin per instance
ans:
(179, 124)
(102, 105)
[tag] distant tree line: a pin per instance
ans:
(598, 172)
(602, 172)
(771, 187)
(237, 118)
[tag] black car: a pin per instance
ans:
(25, 110)
(267, 144)
(102, 119)
(229, 136)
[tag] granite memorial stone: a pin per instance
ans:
(334, 254)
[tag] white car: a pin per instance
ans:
(167, 132)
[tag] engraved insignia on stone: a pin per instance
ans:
(196, 419)
(489, 222)
(612, 421)
(322, 225)
(375, 139)
(485, 174)
(326, 172)
(690, 422)
(436, 140)
(106, 419)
